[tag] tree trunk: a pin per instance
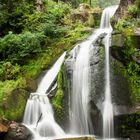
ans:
(39, 5)
(122, 8)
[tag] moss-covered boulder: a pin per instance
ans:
(31, 84)
(87, 15)
(13, 97)
(18, 132)
(13, 105)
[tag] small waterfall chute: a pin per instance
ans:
(38, 114)
(108, 121)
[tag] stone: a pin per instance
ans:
(3, 128)
(137, 31)
(18, 131)
(14, 104)
(78, 138)
(31, 85)
(117, 40)
(3, 131)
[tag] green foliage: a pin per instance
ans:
(16, 47)
(31, 41)
(10, 71)
(132, 69)
(133, 10)
(125, 26)
(12, 14)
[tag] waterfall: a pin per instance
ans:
(80, 122)
(79, 115)
(38, 114)
(108, 121)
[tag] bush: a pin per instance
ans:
(133, 10)
(16, 47)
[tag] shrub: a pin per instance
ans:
(16, 47)
(133, 10)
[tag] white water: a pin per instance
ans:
(79, 115)
(108, 121)
(79, 100)
(50, 76)
(38, 114)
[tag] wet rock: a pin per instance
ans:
(117, 40)
(136, 40)
(18, 132)
(127, 125)
(78, 138)
(3, 131)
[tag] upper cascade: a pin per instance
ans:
(106, 15)
(38, 114)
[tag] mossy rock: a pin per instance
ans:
(31, 84)
(13, 106)
(87, 15)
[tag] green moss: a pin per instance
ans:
(8, 86)
(57, 100)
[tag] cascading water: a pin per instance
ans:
(79, 100)
(79, 116)
(38, 114)
(108, 122)
(79, 120)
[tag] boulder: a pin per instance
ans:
(13, 105)
(31, 84)
(3, 131)
(127, 125)
(18, 131)
(87, 15)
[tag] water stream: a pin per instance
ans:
(108, 121)
(39, 115)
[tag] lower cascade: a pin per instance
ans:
(39, 116)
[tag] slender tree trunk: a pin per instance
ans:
(90, 2)
(122, 8)
(39, 5)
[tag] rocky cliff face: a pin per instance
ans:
(122, 8)
(119, 85)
